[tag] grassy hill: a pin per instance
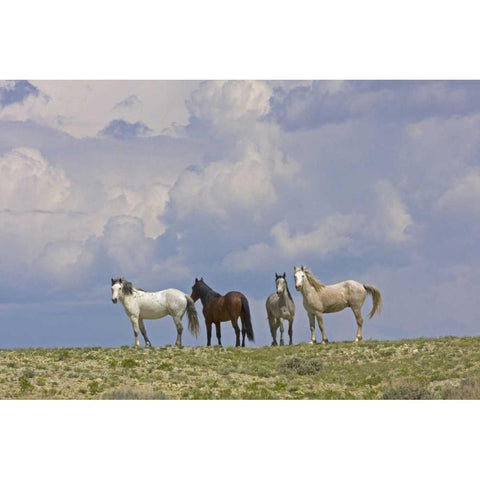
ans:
(421, 368)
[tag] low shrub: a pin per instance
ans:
(129, 363)
(406, 392)
(469, 389)
(300, 366)
(134, 395)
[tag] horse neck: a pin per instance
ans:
(206, 294)
(127, 300)
(284, 297)
(309, 291)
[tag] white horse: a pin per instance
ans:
(140, 305)
(319, 299)
(280, 306)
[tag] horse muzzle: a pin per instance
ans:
(298, 288)
(114, 300)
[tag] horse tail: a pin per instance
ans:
(247, 319)
(376, 298)
(193, 324)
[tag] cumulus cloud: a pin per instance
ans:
(242, 169)
(52, 228)
(224, 104)
(28, 182)
(329, 237)
(392, 219)
(463, 197)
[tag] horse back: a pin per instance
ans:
(224, 307)
(338, 296)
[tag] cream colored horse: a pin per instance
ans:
(319, 299)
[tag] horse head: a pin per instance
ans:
(195, 289)
(299, 275)
(117, 284)
(281, 283)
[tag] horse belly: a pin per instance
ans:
(335, 298)
(222, 309)
(152, 309)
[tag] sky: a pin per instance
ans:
(164, 181)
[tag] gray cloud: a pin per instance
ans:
(322, 103)
(120, 129)
(16, 92)
(130, 102)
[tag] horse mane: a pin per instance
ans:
(208, 291)
(316, 284)
(127, 286)
(288, 291)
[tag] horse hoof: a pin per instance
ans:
(282, 343)
(274, 344)
(312, 342)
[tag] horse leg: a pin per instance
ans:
(144, 332)
(280, 323)
(273, 330)
(244, 328)
(237, 331)
(134, 320)
(219, 333)
(311, 318)
(321, 327)
(178, 324)
(209, 333)
(358, 317)
(290, 330)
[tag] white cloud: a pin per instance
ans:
(392, 220)
(28, 182)
(330, 237)
(245, 183)
(49, 222)
(244, 176)
(463, 197)
(223, 104)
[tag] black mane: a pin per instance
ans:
(205, 292)
(127, 287)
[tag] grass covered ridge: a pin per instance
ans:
(422, 368)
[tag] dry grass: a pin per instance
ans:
(408, 369)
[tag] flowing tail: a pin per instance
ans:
(246, 319)
(376, 298)
(193, 324)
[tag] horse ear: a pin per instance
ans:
(302, 268)
(276, 275)
(196, 280)
(201, 279)
(113, 281)
(284, 275)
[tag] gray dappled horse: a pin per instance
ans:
(280, 306)
(140, 305)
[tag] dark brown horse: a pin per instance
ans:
(218, 308)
